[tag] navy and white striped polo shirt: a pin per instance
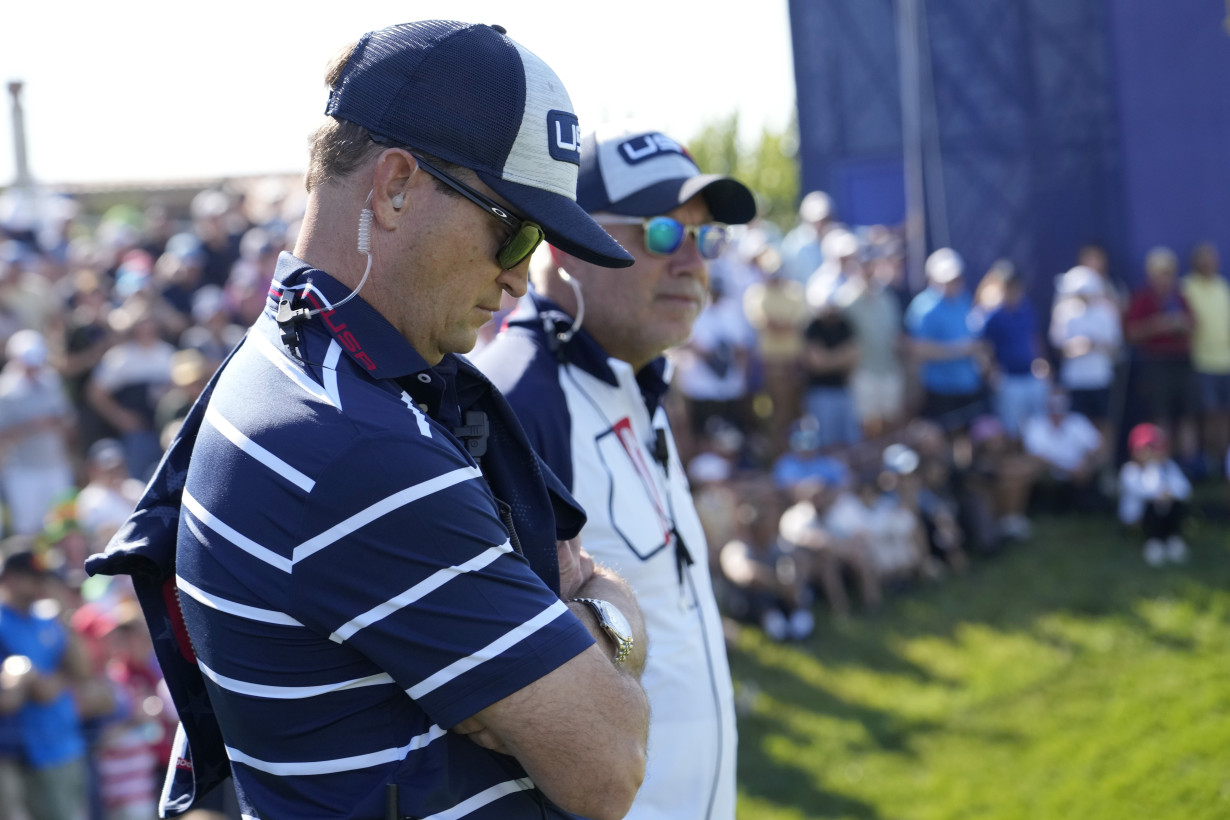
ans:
(346, 581)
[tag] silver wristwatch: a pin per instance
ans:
(613, 623)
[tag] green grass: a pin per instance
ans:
(1062, 679)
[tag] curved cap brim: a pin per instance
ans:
(729, 200)
(567, 226)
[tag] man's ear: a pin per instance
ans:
(394, 180)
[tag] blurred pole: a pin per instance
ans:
(937, 199)
(20, 160)
(908, 64)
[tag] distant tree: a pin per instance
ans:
(769, 167)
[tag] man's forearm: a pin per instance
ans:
(607, 586)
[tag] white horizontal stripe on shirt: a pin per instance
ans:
(491, 650)
(429, 584)
(247, 445)
(268, 616)
(332, 355)
(484, 797)
(231, 534)
(282, 361)
(341, 764)
(383, 507)
(260, 690)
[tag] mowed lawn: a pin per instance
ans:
(1061, 680)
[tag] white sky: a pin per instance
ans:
(138, 90)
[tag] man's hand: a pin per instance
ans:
(576, 567)
(476, 732)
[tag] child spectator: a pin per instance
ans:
(1153, 495)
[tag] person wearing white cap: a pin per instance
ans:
(582, 363)
(35, 425)
(802, 249)
(1086, 331)
(942, 341)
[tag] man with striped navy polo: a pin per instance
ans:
(582, 363)
(385, 612)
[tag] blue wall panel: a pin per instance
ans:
(1053, 123)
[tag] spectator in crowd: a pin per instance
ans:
(1208, 296)
(213, 332)
(765, 575)
(27, 299)
(110, 494)
(129, 381)
(842, 263)
(830, 355)
(1153, 496)
(1087, 335)
(712, 365)
(53, 748)
(218, 235)
(35, 430)
(249, 278)
(890, 532)
(827, 554)
(1158, 324)
(1093, 255)
(877, 383)
(136, 743)
(940, 509)
(805, 459)
(801, 246)
(775, 309)
(944, 345)
(83, 337)
(190, 370)
(1071, 451)
(177, 274)
(1018, 362)
(1003, 475)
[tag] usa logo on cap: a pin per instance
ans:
(564, 136)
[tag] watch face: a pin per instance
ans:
(618, 623)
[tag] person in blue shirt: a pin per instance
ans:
(44, 664)
(943, 341)
(1019, 367)
(385, 610)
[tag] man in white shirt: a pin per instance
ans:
(1070, 447)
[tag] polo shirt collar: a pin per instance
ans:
(367, 338)
(541, 315)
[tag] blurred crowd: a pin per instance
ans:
(847, 436)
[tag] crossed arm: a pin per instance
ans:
(580, 731)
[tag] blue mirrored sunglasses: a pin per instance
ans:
(664, 236)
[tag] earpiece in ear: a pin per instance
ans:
(398, 201)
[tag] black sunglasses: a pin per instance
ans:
(524, 236)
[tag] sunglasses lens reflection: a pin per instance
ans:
(663, 235)
(520, 245)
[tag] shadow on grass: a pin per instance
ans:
(1082, 569)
